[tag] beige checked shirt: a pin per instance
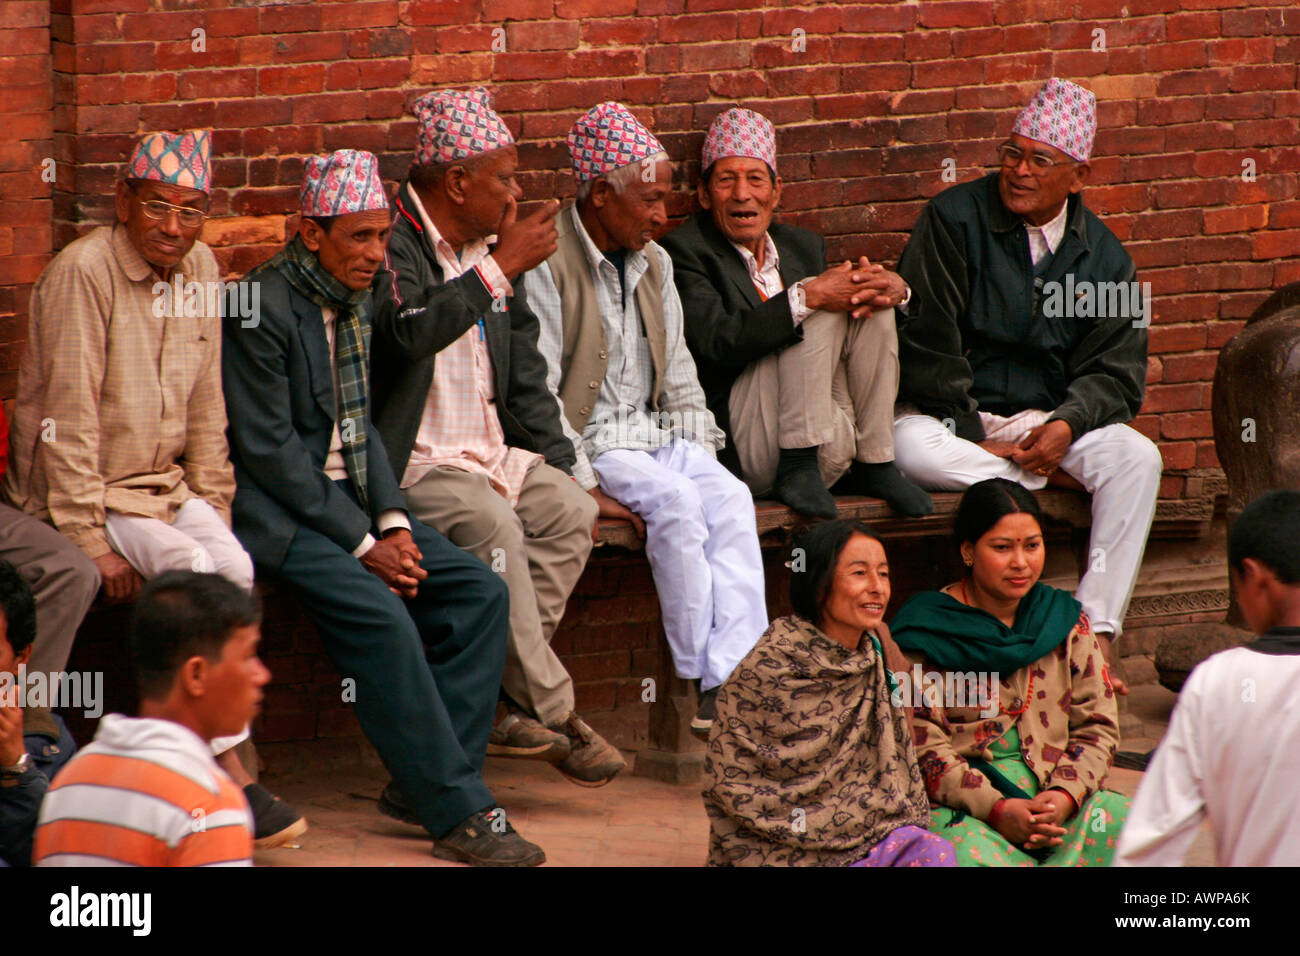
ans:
(119, 392)
(460, 427)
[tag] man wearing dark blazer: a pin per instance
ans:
(471, 429)
(799, 363)
(317, 504)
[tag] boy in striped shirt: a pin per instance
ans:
(147, 791)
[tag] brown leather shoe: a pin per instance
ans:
(519, 735)
(592, 761)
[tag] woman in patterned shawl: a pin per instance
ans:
(1016, 775)
(809, 763)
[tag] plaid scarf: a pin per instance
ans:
(303, 270)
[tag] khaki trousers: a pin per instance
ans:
(539, 548)
(835, 389)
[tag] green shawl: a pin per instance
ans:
(957, 637)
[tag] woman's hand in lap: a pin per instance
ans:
(1026, 823)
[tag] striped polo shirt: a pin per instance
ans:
(146, 792)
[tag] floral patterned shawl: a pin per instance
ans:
(808, 764)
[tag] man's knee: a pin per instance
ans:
(235, 565)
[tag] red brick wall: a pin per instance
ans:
(870, 100)
(26, 122)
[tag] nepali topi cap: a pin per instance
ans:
(181, 159)
(1061, 114)
(740, 132)
(457, 124)
(346, 181)
(608, 137)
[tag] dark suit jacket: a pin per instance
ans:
(279, 384)
(426, 316)
(728, 325)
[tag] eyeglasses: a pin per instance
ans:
(1040, 163)
(158, 210)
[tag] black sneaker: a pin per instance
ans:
(274, 821)
(702, 722)
(393, 804)
(487, 839)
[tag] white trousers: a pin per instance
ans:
(196, 540)
(702, 545)
(1118, 466)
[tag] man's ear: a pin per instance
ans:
(600, 191)
(194, 675)
(702, 193)
(776, 193)
(1254, 573)
(122, 202)
(1081, 174)
(310, 231)
(23, 656)
(456, 183)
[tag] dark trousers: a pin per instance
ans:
(428, 711)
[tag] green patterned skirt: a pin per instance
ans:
(1091, 835)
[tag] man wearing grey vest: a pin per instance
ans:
(645, 442)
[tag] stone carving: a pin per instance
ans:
(1257, 406)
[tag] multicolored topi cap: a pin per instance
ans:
(608, 137)
(457, 124)
(1061, 114)
(346, 181)
(740, 132)
(181, 159)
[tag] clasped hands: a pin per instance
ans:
(1041, 451)
(395, 560)
(1033, 824)
(858, 290)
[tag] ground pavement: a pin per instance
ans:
(631, 822)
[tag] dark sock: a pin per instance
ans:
(884, 480)
(799, 484)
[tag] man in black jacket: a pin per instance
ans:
(799, 363)
(471, 429)
(1024, 345)
(317, 504)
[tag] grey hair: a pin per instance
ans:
(619, 179)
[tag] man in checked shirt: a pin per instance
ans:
(460, 399)
(646, 443)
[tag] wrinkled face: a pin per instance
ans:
(233, 685)
(860, 588)
(1038, 194)
(635, 216)
(1008, 558)
(742, 196)
(353, 249)
(489, 186)
(161, 242)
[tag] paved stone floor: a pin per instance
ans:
(631, 822)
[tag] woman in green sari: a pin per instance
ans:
(1015, 776)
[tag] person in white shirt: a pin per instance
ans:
(646, 443)
(1229, 753)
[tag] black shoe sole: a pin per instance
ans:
(456, 855)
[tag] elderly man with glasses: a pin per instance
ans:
(1024, 345)
(119, 428)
